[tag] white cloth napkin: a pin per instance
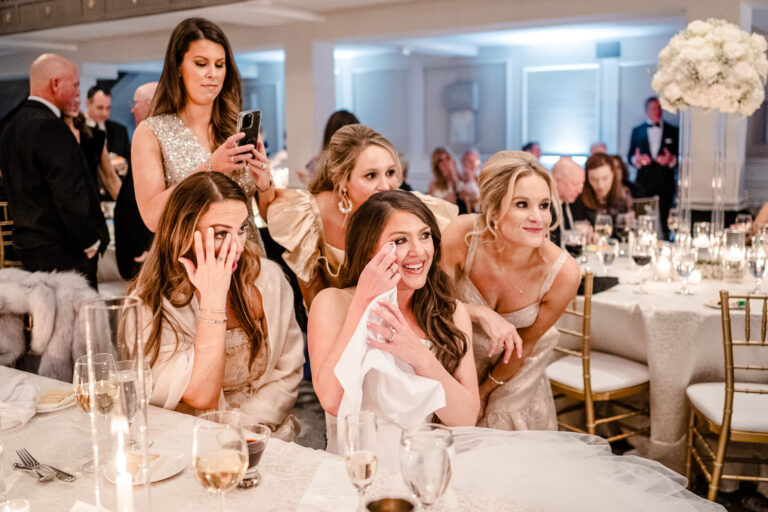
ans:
(17, 403)
(376, 381)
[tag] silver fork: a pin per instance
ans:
(32, 462)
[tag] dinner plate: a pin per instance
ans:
(67, 402)
(734, 303)
(171, 463)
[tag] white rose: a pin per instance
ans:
(758, 42)
(743, 71)
(672, 91)
(699, 27)
(733, 50)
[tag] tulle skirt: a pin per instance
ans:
(560, 471)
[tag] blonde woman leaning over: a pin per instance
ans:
(219, 328)
(511, 276)
(311, 224)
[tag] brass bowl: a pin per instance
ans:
(390, 505)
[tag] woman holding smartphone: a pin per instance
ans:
(192, 123)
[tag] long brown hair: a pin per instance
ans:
(171, 96)
(163, 277)
(437, 175)
(340, 157)
(588, 196)
(434, 304)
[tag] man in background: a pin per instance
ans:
(533, 148)
(58, 224)
(653, 152)
(132, 238)
(598, 147)
(98, 107)
(569, 181)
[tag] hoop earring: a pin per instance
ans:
(345, 205)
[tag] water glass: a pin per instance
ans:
(607, 252)
(603, 226)
(256, 438)
(425, 462)
(219, 453)
(756, 260)
(130, 394)
(361, 441)
(684, 259)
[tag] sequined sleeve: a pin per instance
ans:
(296, 225)
(443, 211)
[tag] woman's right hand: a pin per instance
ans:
(229, 156)
(502, 335)
(379, 275)
(213, 274)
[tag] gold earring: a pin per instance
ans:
(345, 205)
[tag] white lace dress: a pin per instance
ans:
(524, 402)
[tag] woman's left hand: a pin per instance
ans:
(259, 169)
(401, 342)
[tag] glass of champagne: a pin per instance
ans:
(106, 389)
(607, 252)
(219, 453)
(256, 437)
(128, 380)
(603, 226)
(425, 461)
(361, 439)
(684, 260)
(642, 254)
(756, 259)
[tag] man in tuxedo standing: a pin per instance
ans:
(653, 152)
(132, 238)
(98, 106)
(58, 224)
(569, 180)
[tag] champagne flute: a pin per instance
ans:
(603, 226)
(607, 252)
(425, 461)
(673, 222)
(361, 437)
(106, 389)
(256, 437)
(219, 454)
(756, 259)
(128, 381)
(684, 260)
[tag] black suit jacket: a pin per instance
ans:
(50, 193)
(654, 179)
(131, 234)
(556, 234)
(117, 140)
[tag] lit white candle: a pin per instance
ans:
(734, 254)
(695, 277)
(663, 267)
(123, 480)
(701, 241)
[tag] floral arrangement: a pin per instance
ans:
(713, 64)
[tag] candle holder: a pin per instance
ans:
(120, 456)
(707, 248)
(734, 254)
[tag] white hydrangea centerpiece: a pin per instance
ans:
(712, 64)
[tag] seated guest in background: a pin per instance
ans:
(95, 151)
(622, 170)
(603, 191)
(427, 329)
(445, 178)
(311, 224)
(338, 119)
(569, 180)
(219, 329)
(404, 166)
(58, 224)
(132, 238)
(193, 122)
(533, 148)
(467, 186)
(598, 147)
(515, 284)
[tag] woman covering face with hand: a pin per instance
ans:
(219, 329)
(311, 225)
(516, 284)
(193, 122)
(396, 243)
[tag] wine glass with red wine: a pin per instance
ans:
(642, 254)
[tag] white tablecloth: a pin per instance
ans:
(678, 336)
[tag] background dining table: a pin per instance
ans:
(679, 337)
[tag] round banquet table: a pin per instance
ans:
(492, 471)
(679, 337)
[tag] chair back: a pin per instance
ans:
(647, 206)
(755, 350)
(585, 335)
(6, 231)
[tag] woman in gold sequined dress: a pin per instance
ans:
(192, 122)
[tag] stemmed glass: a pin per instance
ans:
(603, 226)
(673, 222)
(256, 438)
(575, 241)
(756, 259)
(361, 438)
(642, 254)
(622, 226)
(684, 259)
(743, 222)
(425, 461)
(128, 380)
(607, 252)
(219, 454)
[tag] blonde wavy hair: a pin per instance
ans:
(342, 153)
(497, 179)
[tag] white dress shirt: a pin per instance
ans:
(654, 138)
(48, 104)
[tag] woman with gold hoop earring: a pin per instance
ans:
(311, 224)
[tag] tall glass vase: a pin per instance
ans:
(684, 173)
(718, 171)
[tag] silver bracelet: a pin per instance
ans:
(207, 310)
(496, 381)
(209, 321)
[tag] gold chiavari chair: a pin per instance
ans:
(730, 411)
(6, 230)
(590, 376)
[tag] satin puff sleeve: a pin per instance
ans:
(294, 222)
(443, 211)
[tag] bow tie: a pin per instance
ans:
(656, 125)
